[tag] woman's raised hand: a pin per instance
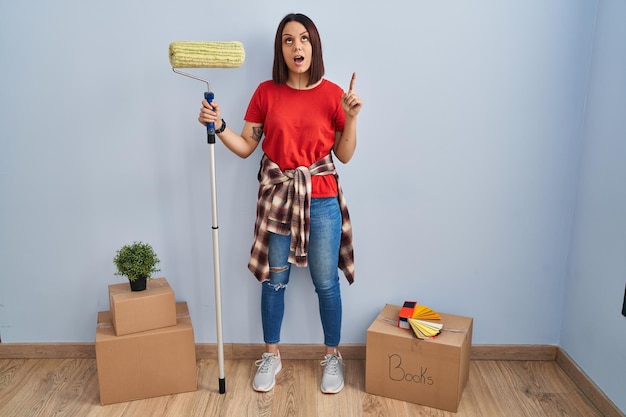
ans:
(350, 101)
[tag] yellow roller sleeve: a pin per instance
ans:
(191, 54)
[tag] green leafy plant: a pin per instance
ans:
(136, 260)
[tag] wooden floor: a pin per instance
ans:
(69, 387)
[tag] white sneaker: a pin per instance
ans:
(265, 378)
(332, 380)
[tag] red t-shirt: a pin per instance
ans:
(299, 126)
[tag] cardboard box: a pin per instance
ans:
(430, 372)
(148, 364)
(139, 311)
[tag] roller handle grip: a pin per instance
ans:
(210, 127)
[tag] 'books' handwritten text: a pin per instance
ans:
(400, 372)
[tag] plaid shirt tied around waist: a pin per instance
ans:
(283, 207)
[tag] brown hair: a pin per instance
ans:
(280, 72)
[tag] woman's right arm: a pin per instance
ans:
(241, 145)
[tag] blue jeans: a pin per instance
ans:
(323, 258)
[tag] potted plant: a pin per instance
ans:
(137, 262)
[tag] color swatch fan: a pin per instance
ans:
(423, 328)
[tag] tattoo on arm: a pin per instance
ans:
(257, 132)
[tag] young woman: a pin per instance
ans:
(302, 218)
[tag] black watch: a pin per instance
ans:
(221, 129)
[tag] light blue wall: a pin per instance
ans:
(462, 191)
(594, 331)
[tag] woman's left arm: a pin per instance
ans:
(345, 142)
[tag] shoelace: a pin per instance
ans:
(331, 362)
(265, 363)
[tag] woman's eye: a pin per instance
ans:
(305, 39)
(288, 41)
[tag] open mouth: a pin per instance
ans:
(298, 59)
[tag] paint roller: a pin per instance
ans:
(190, 54)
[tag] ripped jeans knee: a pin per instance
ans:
(279, 269)
(279, 277)
(274, 286)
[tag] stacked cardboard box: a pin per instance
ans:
(431, 372)
(145, 344)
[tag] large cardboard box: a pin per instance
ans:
(148, 364)
(431, 372)
(138, 311)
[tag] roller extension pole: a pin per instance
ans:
(216, 252)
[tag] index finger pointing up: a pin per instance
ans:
(352, 81)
